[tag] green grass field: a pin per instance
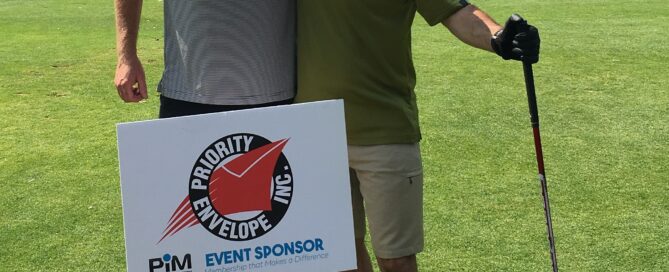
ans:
(602, 86)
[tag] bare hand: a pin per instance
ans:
(130, 80)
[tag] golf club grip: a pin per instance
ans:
(531, 95)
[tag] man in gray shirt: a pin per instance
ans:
(219, 55)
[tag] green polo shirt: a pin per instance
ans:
(360, 50)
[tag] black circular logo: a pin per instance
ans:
(241, 186)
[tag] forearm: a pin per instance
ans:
(128, 13)
(472, 26)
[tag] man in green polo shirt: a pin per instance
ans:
(360, 50)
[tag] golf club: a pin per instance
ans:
(534, 118)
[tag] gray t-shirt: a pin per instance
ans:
(229, 52)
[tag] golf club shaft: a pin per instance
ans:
(534, 118)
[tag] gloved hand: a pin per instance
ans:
(517, 40)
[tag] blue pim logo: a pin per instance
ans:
(170, 263)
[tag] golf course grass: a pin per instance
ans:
(603, 92)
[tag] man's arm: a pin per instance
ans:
(472, 26)
(130, 80)
(516, 40)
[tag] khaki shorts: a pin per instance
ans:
(387, 187)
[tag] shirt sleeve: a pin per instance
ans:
(435, 11)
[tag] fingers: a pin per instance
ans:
(526, 45)
(518, 41)
(143, 93)
(130, 82)
(129, 91)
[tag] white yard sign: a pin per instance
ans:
(252, 190)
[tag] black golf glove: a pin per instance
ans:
(517, 40)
